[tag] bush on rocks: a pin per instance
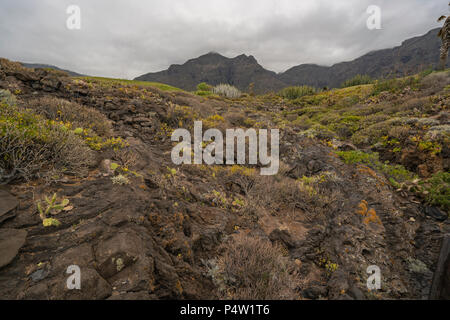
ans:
(254, 269)
(33, 147)
(70, 112)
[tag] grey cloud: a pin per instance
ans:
(127, 38)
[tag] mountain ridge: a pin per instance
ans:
(215, 68)
(411, 56)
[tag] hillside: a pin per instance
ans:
(412, 56)
(47, 66)
(363, 181)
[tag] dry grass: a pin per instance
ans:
(11, 66)
(226, 90)
(254, 269)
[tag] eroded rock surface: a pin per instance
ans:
(8, 204)
(11, 240)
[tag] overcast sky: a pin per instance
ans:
(127, 38)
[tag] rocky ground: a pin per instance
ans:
(160, 235)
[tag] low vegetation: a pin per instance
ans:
(437, 190)
(292, 93)
(70, 112)
(32, 146)
(357, 81)
(254, 269)
(227, 91)
(395, 173)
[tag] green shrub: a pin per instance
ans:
(292, 93)
(31, 147)
(225, 90)
(203, 93)
(356, 156)
(371, 134)
(438, 190)
(395, 173)
(394, 85)
(70, 112)
(357, 80)
(204, 87)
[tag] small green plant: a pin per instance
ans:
(114, 166)
(238, 202)
(120, 180)
(430, 146)
(331, 267)
(51, 208)
(220, 199)
(172, 172)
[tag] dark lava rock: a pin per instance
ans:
(11, 240)
(356, 293)
(282, 236)
(315, 292)
(39, 275)
(435, 213)
(7, 205)
(445, 294)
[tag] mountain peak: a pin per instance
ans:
(412, 56)
(214, 68)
